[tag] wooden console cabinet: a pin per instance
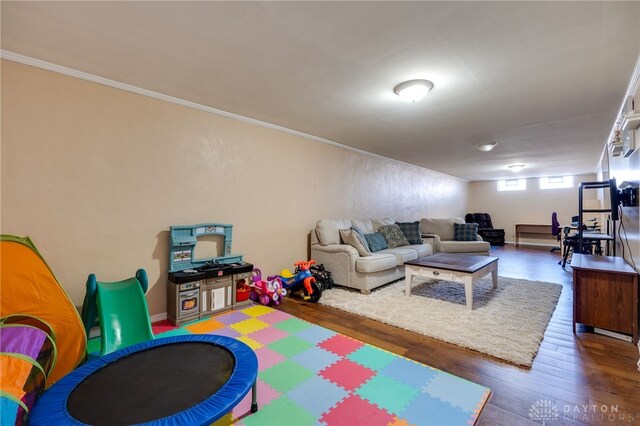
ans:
(605, 294)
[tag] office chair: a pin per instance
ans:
(555, 230)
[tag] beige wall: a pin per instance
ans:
(627, 169)
(630, 218)
(96, 175)
(533, 205)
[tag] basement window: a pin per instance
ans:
(512, 185)
(556, 182)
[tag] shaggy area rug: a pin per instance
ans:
(507, 323)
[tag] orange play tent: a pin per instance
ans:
(28, 287)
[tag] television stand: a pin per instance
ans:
(605, 294)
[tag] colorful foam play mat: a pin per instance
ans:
(310, 375)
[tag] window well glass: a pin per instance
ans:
(555, 182)
(512, 185)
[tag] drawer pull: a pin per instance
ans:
(436, 273)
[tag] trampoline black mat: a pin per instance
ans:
(151, 384)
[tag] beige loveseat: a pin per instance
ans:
(439, 234)
(348, 268)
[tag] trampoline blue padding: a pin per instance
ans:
(179, 380)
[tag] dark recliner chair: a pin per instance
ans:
(495, 237)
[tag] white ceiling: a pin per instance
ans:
(544, 79)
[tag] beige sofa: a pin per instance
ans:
(439, 234)
(348, 268)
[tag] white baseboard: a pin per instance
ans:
(548, 245)
(158, 317)
(613, 334)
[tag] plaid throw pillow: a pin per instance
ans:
(411, 230)
(465, 231)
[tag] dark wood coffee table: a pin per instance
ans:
(460, 268)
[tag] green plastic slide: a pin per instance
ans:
(121, 310)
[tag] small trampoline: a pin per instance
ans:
(189, 379)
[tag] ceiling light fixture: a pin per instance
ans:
(413, 90)
(517, 167)
(486, 146)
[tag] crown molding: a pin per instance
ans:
(27, 60)
(635, 79)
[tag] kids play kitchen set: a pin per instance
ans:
(198, 288)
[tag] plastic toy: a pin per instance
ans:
(302, 279)
(184, 238)
(243, 290)
(279, 292)
(322, 276)
(120, 308)
(266, 292)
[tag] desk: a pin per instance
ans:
(527, 228)
(188, 379)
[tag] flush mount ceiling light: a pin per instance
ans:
(486, 146)
(516, 167)
(413, 90)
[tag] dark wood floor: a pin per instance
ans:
(587, 376)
